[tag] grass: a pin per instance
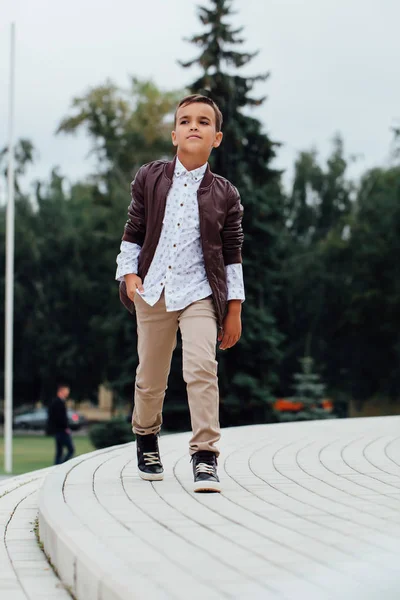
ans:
(31, 452)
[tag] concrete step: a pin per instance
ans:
(308, 511)
(25, 573)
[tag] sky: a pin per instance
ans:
(334, 67)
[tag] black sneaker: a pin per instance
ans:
(205, 472)
(148, 455)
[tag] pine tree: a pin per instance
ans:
(246, 150)
(308, 386)
(309, 390)
(247, 372)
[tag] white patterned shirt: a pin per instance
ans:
(178, 264)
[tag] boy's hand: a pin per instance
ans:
(232, 328)
(133, 283)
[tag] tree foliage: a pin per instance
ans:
(127, 127)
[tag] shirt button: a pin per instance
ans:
(181, 203)
(185, 184)
(174, 245)
(170, 267)
(179, 224)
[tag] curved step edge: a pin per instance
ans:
(84, 564)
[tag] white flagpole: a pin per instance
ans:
(9, 312)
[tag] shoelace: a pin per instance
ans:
(205, 468)
(151, 458)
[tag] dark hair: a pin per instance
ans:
(205, 100)
(62, 384)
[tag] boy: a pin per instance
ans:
(180, 266)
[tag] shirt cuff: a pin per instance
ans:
(235, 283)
(127, 260)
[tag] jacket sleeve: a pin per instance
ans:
(135, 227)
(232, 233)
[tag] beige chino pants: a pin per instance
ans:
(157, 330)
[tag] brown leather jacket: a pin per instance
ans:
(221, 231)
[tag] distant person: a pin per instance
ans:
(180, 267)
(57, 425)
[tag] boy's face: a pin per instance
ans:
(195, 131)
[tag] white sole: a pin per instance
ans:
(151, 476)
(207, 487)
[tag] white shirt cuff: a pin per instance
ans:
(127, 260)
(234, 280)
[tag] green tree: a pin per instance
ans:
(26, 262)
(24, 155)
(127, 127)
(82, 332)
(64, 297)
(320, 196)
(309, 391)
(247, 372)
(315, 291)
(373, 310)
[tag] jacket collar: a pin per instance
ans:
(205, 182)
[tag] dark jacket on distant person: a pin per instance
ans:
(57, 417)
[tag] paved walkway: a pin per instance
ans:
(309, 511)
(24, 571)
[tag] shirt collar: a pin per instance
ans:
(196, 174)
